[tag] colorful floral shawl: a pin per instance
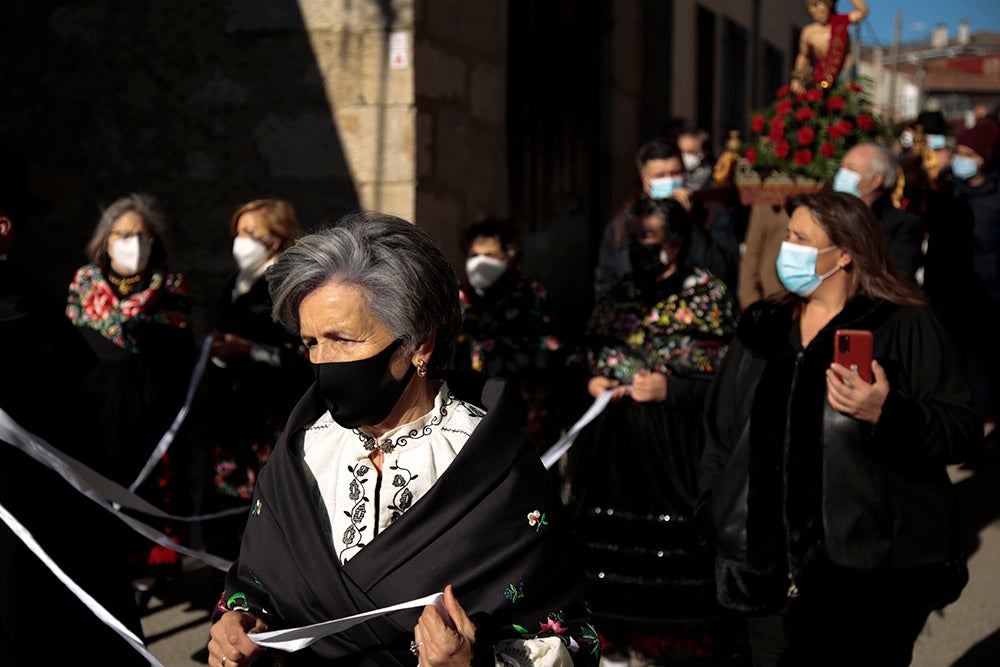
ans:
(517, 321)
(682, 332)
(92, 302)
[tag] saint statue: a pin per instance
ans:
(824, 45)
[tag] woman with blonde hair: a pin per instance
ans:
(258, 369)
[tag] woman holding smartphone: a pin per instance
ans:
(828, 496)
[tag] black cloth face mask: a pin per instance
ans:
(361, 392)
(647, 260)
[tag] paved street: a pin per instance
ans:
(965, 634)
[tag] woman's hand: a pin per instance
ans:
(850, 394)
(229, 645)
(226, 345)
(443, 644)
(649, 387)
(599, 384)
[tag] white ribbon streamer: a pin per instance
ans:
(105, 617)
(293, 639)
(556, 451)
(168, 437)
(101, 490)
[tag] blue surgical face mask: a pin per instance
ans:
(847, 181)
(661, 188)
(797, 267)
(936, 142)
(964, 168)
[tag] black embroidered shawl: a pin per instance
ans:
(513, 573)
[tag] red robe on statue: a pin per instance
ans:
(826, 70)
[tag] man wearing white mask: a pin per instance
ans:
(871, 173)
(507, 330)
(697, 165)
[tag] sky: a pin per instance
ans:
(920, 17)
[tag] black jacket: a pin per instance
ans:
(791, 485)
(43, 359)
(905, 233)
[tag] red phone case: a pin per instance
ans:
(853, 348)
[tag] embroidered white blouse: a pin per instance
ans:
(359, 502)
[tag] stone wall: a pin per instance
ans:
(205, 105)
(460, 56)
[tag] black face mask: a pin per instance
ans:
(647, 260)
(362, 392)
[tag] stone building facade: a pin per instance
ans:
(439, 111)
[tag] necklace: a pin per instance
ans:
(124, 285)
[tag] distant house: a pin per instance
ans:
(954, 75)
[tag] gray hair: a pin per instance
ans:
(143, 204)
(407, 281)
(886, 164)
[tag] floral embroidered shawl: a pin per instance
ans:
(92, 302)
(682, 332)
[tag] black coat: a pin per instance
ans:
(470, 530)
(43, 359)
(905, 233)
(790, 485)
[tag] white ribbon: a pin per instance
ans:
(102, 490)
(168, 437)
(105, 617)
(293, 639)
(556, 451)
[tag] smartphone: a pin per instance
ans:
(853, 348)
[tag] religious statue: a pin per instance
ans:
(824, 45)
(722, 173)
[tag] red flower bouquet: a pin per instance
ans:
(807, 134)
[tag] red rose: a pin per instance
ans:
(806, 135)
(827, 149)
(814, 94)
(804, 114)
(781, 92)
(846, 126)
(803, 157)
(781, 149)
(835, 103)
(866, 122)
(834, 131)
(784, 107)
(751, 155)
(758, 122)
(777, 129)
(855, 87)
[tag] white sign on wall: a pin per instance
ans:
(399, 57)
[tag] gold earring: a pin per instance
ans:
(421, 368)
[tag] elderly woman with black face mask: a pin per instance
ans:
(655, 341)
(394, 480)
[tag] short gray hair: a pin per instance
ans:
(143, 204)
(884, 162)
(408, 283)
